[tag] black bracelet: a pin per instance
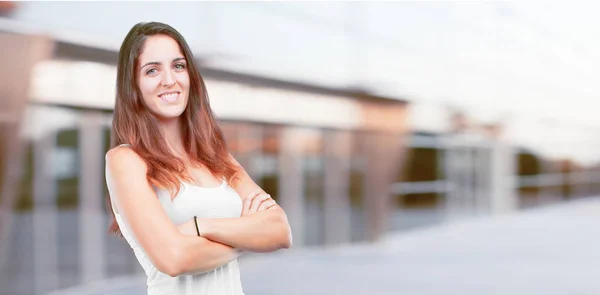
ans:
(196, 222)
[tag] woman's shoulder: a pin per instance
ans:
(123, 156)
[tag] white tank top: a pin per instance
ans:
(216, 202)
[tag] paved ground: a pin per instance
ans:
(552, 250)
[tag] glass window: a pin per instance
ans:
(356, 189)
(269, 161)
(65, 167)
(314, 175)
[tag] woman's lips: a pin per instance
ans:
(169, 97)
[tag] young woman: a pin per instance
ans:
(183, 203)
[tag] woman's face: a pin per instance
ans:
(163, 77)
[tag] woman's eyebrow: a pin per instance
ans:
(157, 63)
(150, 63)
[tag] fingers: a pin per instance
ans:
(248, 201)
(268, 203)
(257, 201)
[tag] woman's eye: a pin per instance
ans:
(180, 66)
(150, 71)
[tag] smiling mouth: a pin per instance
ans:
(169, 97)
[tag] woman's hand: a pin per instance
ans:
(257, 201)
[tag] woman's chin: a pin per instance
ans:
(169, 115)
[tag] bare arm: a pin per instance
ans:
(170, 251)
(263, 231)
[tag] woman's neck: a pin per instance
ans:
(171, 131)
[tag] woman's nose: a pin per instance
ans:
(168, 79)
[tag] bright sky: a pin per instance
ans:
(527, 62)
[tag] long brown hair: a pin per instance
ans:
(134, 124)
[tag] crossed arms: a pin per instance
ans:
(263, 226)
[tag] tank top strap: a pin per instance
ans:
(125, 144)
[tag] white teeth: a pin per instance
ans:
(169, 96)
